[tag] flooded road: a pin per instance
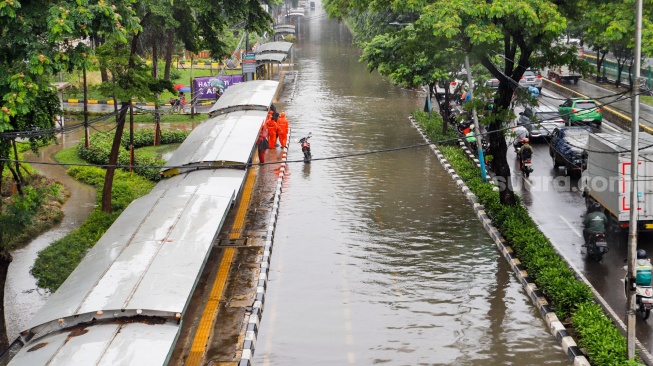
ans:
(379, 259)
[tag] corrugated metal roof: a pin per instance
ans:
(285, 28)
(223, 140)
(113, 344)
(151, 256)
(271, 57)
(257, 95)
(274, 47)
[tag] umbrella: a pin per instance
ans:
(178, 86)
(184, 89)
(218, 83)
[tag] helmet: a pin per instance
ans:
(283, 114)
(641, 254)
(525, 140)
(596, 206)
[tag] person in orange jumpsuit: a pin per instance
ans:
(271, 126)
(282, 130)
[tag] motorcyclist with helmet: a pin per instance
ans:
(643, 268)
(594, 222)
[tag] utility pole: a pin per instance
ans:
(632, 232)
(477, 131)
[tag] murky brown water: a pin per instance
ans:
(379, 259)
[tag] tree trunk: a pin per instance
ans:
(17, 175)
(113, 159)
(499, 149)
(155, 75)
(115, 148)
(5, 260)
(170, 48)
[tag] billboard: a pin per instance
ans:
(206, 87)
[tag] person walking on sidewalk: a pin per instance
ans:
(271, 126)
(262, 144)
(282, 130)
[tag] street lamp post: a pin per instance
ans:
(632, 232)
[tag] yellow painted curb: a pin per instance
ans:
(73, 100)
(150, 104)
(92, 101)
(110, 102)
(208, 315)
(215, 64)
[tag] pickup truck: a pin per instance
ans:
(568, 148)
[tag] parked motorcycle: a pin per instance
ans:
(596, 245)
(306, 148)
(643, 298)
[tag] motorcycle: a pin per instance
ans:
(596, 245)
(643, 298)
(306, 148)
(525, 164)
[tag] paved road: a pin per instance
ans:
(557, 206)
(614, 99)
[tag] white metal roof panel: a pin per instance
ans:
(274, 47)
(166, 234)
(284, 28)
(256, 94)
(271, 57)
(228, 138)
(101, 344)
(622, 141)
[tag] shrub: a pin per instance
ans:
(100, 149)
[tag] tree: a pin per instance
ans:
(611, 28)
(520, 32)
(409, 58)
(38, 39)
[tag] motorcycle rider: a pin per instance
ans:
(594, 222)
(521, 134)
(643, 268)
(526, 151)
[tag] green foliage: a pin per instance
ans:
(100, 148)
(569, 298)
(434, 130)
(55, 263)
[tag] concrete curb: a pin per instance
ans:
(556, 327)
(253, 319)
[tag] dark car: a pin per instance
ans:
(568, 149)
(540, 121)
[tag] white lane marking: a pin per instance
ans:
(610, 127)
(571, 227)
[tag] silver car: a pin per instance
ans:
(531, 78)
(540, 121)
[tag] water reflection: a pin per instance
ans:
(380, 259)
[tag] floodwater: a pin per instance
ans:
(23, 298)
(379, 258)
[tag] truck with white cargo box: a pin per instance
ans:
(607, 179)
(563, 73)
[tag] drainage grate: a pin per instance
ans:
(240, 242)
